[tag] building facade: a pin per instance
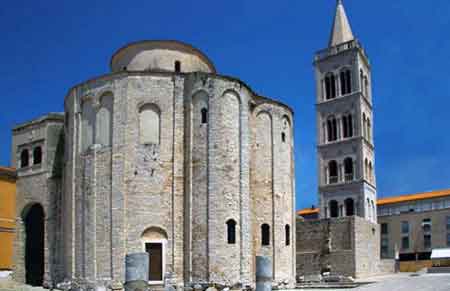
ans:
(413, 225)
(162, 155)
(346, 156)
(7, 218)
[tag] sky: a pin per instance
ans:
(50, 46)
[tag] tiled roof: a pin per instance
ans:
(393, 200)
(308, 211)
(413, 197)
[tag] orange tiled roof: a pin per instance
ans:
(7, 172)
(413, 197)
(308, 211)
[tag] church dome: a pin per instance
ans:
(161, 56)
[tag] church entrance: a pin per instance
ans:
(34, 245)
(155, 251)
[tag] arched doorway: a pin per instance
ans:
(154, 240)
(34, 245)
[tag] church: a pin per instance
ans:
(165, 155)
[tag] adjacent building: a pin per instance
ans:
(7, 218)
(161, 155)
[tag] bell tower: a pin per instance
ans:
(346, 155)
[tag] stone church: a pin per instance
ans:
(162, 155)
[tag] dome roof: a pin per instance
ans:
(161, 55)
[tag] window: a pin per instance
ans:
(347, 124)
(349, 207)
(103, 128)
(37, 156)
(384, 247)
(426, 224)
(364, 125)
(384, 228)
(283, 137)
(204, 113)
(231, 231)
(149, 118)
(366, 167)
(370, 172)
(448, 223)
(369, 130)
(330, 86)
(346, 82)
(405, 242)
(287, 233)
(177, 66)
(334, 208)
(24, 158)
(265, 235)
(348, 169)
(333, 172)
(366, 87)
(427, 241)
(332, 128)
(405, 227)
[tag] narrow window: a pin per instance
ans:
(427, 241)
(348, 169)
(349, 207)
(287, 232)
(334, 209)
(24, 158)
(405, 243)
(204, 113)
(348, 79)
(350, 125)
(364, 133)
(384, 228)
(366, 87)
(333, 172)
(149, 124)
(369, 130)
(345, 126)
(265, 235)
(370, 172)
(37, 156)
(231, 231)
(330, 86)
(283, 137)
(332, 128)
(361, 80)
(405, 227)
(103, 128)
(177, 66)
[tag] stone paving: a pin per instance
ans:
(404, 282)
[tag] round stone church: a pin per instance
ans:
(164, 155)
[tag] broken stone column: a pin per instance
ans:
(263, 273)
(136, 272)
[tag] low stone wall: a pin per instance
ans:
(386, 266)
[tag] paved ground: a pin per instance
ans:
(404, 282)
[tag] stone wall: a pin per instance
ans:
(348, 245)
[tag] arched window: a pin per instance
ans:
(177, 66)
(149, 124)
(334, 208)
(346, 82)
(366, 168)
(364, 133)
(330, 86)
(287, 234)
(24, 158)
(370, 172)
(265, 234)
(348, 169)
(347, 124)
(349, 207)
(369, 130)
(87, 125)
(332, 128)
(204, 113)
(333, 172)
(37, 155)
(366, 87)
(231, 231)
(103, 128)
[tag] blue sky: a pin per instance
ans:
(49, 46)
